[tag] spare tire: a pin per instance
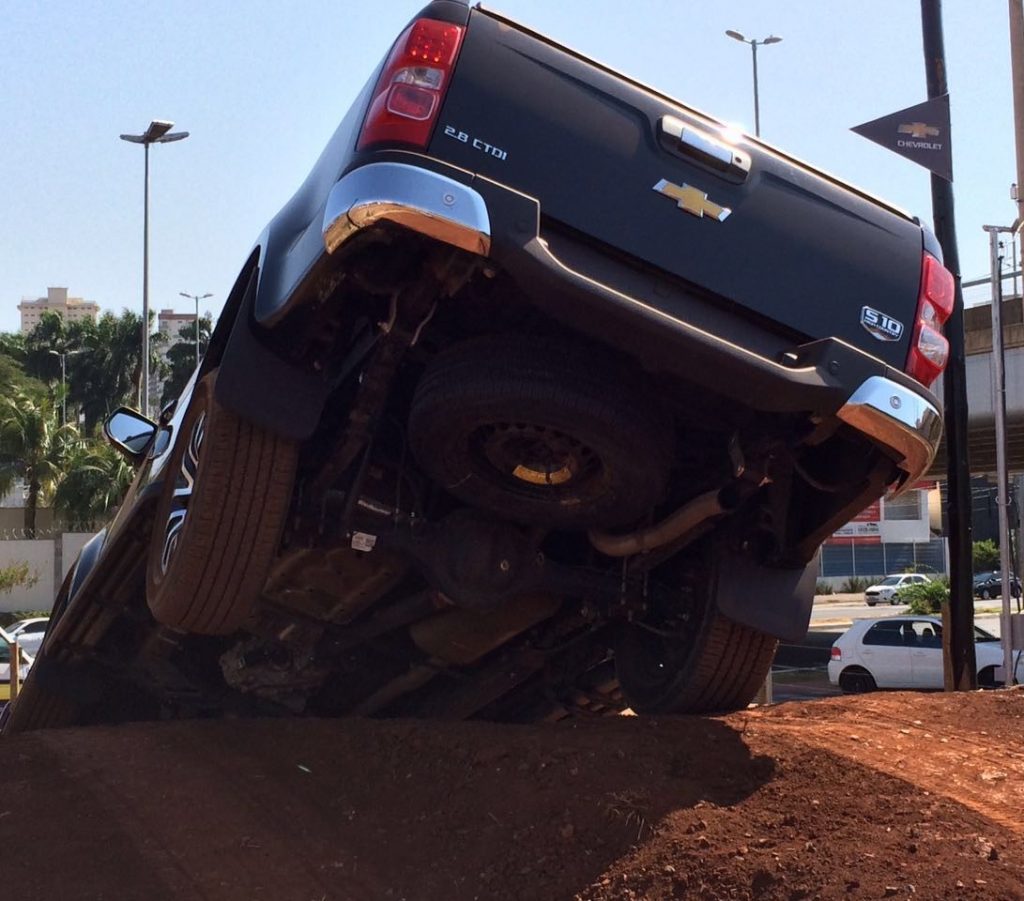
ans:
(541, 433)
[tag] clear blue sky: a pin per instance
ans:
(262, 85)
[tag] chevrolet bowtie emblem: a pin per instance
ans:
(693, 200)
(919, 130)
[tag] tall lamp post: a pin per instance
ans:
(196, 298)
(64, 380)
(771, 39)
(157, 133)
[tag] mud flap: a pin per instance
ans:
(259, 386)
(775, 601)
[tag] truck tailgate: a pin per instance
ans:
(630, 168)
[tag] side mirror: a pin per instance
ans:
(129, 432)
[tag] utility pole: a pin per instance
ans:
(958, 636)
(1017, 69)
(999, 400)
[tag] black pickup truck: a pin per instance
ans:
(538, 397)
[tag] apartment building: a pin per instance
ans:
(72, 309)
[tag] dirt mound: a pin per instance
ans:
(871, 797)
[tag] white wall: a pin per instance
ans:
(39, 554)
(71, 545)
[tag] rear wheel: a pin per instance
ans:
(987, 678)
(986, 594)
(855, 680)
(693, 659)
(220, 516)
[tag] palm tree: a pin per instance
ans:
(45, 343)
(108, 372)
(33, 446)
(96, 478)
(181, 357)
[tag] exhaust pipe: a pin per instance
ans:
(692, 514)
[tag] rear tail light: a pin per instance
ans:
(929, 349)
(408, 95)
(837, 654)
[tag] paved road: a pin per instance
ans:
(838, 616)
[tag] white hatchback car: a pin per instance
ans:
(6, 640)
(30, 632)
(906, 652)
(887, 590)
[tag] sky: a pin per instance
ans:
(261, 86)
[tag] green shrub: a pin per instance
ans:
(823, 587)
(924, 598)
(856, 584)
(985, 555)
(16, 574)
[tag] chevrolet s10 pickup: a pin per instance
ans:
(536, 399)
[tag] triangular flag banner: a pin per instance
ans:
(920, 133)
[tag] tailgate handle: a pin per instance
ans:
(685, 140)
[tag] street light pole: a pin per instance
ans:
(64, 381)
(196, 298)
(757, 102)
(771, 39)
(157, 133)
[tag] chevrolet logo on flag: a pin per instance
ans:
(920, 133)
(919, 130)
(693, 200)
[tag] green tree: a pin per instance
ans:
(181, 357)
(12, 344)
(95, 479)
(108, 371)
(45, 343)
(33, 446)
(985, 555)
(13, 377)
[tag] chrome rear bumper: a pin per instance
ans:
(418, 199)
(897, 418)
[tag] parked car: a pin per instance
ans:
(887, 591)
(29, 632)
(6, 642)
(990, 585)
(539, 396)
(905, 652)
